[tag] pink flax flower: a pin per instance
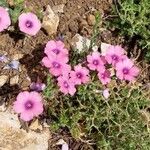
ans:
(114, 54)
(57, 65)
(29, 23)
(55, 48)
(4, 19)
(95, 62)
(66, 85)
(28, 105)
(79, 75)
(104, 77)
(126, 70)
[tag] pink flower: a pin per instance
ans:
(66, 85)
(106, 93)
(29, 23)
(4, 19)
(55, 48)
(79, 75)
(114, 54)
(29, 105)
(56, 65)
(95, 62)
(104, 76)
(126, 70)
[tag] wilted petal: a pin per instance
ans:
(14, 64)
(37, 86)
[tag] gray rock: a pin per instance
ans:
(14, 138)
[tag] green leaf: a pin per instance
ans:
(3, 3)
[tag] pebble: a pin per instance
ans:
(104, 48)
(36, 125)
(3, 80)
(14, 80)
(81, 43)
(91, 20)
(17, 56)
(50, 21)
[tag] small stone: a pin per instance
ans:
(17, 56)
(26, 82)
(58, 8)
(14, 80)
(50, 21)
(11, 2)
(3, 107)
(91, 20)
(81, 43)
(3, 80)
(104, 48)
(35, 125)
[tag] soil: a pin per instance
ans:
(72, 21)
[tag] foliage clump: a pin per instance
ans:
(133, 21)
(115, 123)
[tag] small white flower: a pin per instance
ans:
(106, 93)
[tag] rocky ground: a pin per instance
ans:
(71, 20)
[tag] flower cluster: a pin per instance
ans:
(125, 68)
(57, 62)
(115, 56)
(28, 22)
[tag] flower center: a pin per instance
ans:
(66, 85)
(79, 75)
(125, 71)
(103, 75)
(56, 65)
(29, 105)
(29, 24)
(95, 62)
(114, 57)
(56, 51)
